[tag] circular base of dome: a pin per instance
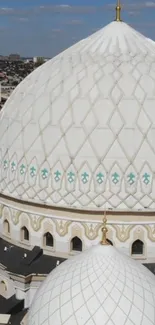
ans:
(82, 210)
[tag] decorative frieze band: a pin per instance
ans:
(57, 175)
(62, 227)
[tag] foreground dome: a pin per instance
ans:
(84, 122)
(99, 286)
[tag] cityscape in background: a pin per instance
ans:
(13, 69)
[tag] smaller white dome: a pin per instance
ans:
(99, 286)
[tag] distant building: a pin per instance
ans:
(35, 59)
(39, 60)
(14, 57)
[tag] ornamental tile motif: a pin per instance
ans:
(146, 179)
(57, 176)
(13, 166)
(84, 178)
(100, 178)
(115, 178)
(36, 222)
(22, 169)
(33, 171)
(44, 173)
(5, 164)
(131, 178)
(62, 226)
(71, 177)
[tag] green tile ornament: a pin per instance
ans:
(115, 178)
(44, 173)
(84, 178)
(100, 178)
(146, 178)
(57, 176)
(13, 166)
(71, 177)
(131, 178)
(33, 171)
(22, 169)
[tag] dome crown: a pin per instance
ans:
(99, 284)
(118, 37)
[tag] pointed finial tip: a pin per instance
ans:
(118, 11)
(104, 231)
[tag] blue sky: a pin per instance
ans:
(46, 27)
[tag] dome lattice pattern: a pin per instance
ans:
(79, 131)
(100, 284)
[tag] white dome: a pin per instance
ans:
(82, 122)
(99, 286)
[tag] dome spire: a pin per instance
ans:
(118, 11)
(104, 230)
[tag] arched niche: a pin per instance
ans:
(137, 247)
(6, 227)
(24, 232)
(3, 287)
(48, 240)
(76, 244)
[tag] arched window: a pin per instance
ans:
(3, 287)
(110, 242)
(76, 244)
(6, 227)
(48, 239)
(137, 247)
(24, 233)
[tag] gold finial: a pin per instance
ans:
(118, 11)
(104, 231)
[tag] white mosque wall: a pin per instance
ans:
(26, 292)
(10, 286)
(64, 225)
(29, 295)
(20, 294)
(7, 289)
(123, 230)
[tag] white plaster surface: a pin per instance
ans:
(98, 286)
(82, 122)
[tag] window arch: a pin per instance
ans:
(48, 240)
(109, 241)
(25, 234)
(3, 287)
(137, 247)
(6, 227)
(76, 244)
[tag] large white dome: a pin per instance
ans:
(99, 286)
(82, 122)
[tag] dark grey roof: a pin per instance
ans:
(11, 305)
(150, 266)
(16, 319)
(35, 262)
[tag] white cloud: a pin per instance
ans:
(150, 4)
